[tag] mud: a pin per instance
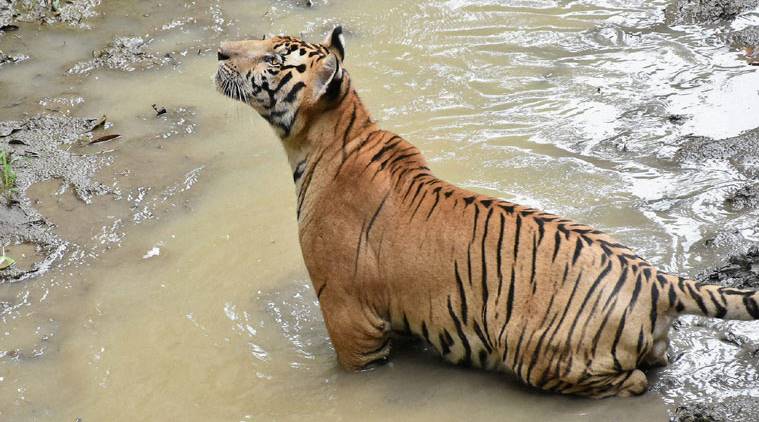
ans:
(71, 12)
(740, 151)
(40, 150)
(731, 409)
(125, 54)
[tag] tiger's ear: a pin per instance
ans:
(329, 79)
(335, 42)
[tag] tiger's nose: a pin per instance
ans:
(221, 55)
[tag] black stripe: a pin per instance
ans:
(462, 294)
(307, 183)
(478, 331)
(654, 304)
(578, 249)
(374, 216)
(620, 328)
(434, 205)
(294, 92)
(419, 204)
(616, 289)
(557, 245)
(697, 297)
(499, 250)
(516, 237)
(348, 128)
(444, 349)
(541, 230)
(751, 307)
(534, 264)
(635, 293)
(285, 79)
(721, 310)
(467, 360)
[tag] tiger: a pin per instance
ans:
(392, 249)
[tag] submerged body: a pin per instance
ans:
(390, 247)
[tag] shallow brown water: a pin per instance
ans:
(183, 295)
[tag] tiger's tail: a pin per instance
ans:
(691, 297)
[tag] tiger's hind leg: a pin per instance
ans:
(623, 384)
(360, 337)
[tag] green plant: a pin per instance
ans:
(8, 175)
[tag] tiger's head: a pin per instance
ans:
(286, 80)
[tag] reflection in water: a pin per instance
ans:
(566, 106)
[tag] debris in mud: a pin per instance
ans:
(696, 412)
(709, 11)
(4, 58)
(71, 12)
(38, 148)
(6, 261)
(123, 53)
(182, 122)
(745, 197)
(736, 408)
(159, 109)
(742, 151)
(677, 119)
(104, 138)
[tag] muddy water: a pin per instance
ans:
(183, 294)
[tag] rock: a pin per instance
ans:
(740, 271)
(709, 11)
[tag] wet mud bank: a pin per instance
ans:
(64, 153)
(40, 149)
(720, 357)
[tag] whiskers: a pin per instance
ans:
(231, 84)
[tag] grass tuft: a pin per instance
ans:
(7, 173)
